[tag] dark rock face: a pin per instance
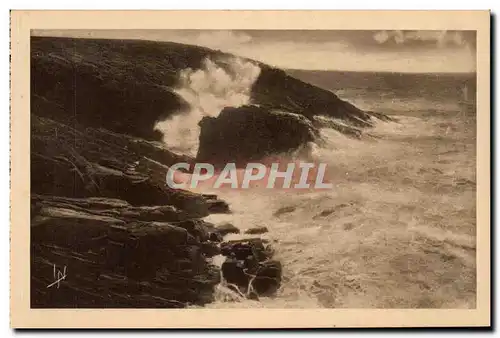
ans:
(250, 133)
(100, 208)
(276, 89)
(233, 272)
(242, 248)
(114, 257)
(121, 85)
(248, 266)
(267, 277)
(86, 162)
(215, 236)
(210, 249)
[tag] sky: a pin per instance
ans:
(422, 51)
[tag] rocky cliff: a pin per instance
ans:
(103, 222)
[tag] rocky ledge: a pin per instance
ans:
(104, 223)
(114, 254)
(109, 253)
(102, 217)
(249, 133)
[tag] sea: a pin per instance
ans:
(398, 228)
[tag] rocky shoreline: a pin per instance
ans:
(106, 230)
(101, 212)
(116, 255)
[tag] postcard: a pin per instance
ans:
(250, 169)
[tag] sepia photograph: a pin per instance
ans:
(214, 169)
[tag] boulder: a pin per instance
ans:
(233, 271)
(243, 248)
(248, 266)
(214, 236)
(256, 230)
(267, 277)
(74, 161)
(216, 206)
(226, 228)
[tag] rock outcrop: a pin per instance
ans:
(249, 267)
(256, 231)
(114, 255)
(104, 219)
(250, 133)
(278, 90)
(86, 162)
(226, 228)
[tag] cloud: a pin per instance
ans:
(334, 56)
(422, 38)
